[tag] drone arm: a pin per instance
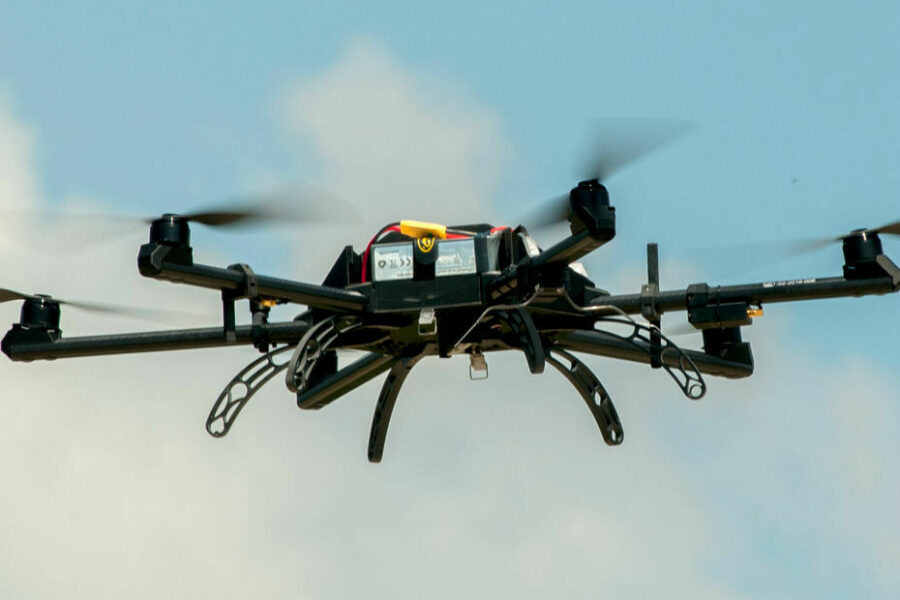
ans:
(601, 343)
(22, 345)
(756, 293)
(568, 250)
(154, 261)
(866, 269)
(720, 312)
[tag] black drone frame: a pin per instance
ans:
(535, 303)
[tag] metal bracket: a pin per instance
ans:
(385, 405)
(649, 292)
(594, 394)
(240, 389)
(427, 322)
(477, 364)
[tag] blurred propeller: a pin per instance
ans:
(816, 244)
(743, 258)
(157, 315)
(298, 204)
(54, 231)
(612, 145)
(546, 214)
(803, 246)
(616, 143)
(8, 295)
(890, 228)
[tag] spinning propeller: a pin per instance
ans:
(613, 144)
(173, 317)
(302, 203)
(819, 243)
(750, 256)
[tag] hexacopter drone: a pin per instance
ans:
(421, 289)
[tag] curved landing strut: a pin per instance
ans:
(595, 395)
(385, 405)
(240, 389)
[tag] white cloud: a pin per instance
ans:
(400, 143)
(18, 180)
(500, 488)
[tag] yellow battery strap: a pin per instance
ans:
(420, 229)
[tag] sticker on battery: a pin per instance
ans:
(455, 257)
(392, 261)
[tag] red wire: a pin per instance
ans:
(391, 227)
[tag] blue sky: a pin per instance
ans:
(781, 92)
(779, 485)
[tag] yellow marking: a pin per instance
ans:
(426, 243)
(754, 312)
(419, 229)
(268, 302)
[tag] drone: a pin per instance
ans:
(421, 289)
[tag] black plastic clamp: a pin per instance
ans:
(259, 311)
(251, 283)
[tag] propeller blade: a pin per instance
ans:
(616, 143)
(751, 256)
(890, 228)
(812, 245)
(298, 204)
(156, 315)
(8, 295)
(301, 203)
(613, 144)
(744, 258)
(547, 214)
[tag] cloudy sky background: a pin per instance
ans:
(782, 485)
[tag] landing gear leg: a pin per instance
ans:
(385, 405)
(594, 394)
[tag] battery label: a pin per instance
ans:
(392, 261)
(455, 257)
